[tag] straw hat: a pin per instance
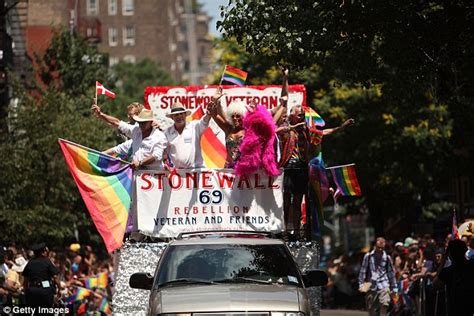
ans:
(178, 108)
(144, 116)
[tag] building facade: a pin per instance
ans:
(173, 33)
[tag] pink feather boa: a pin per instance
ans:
(257, 147)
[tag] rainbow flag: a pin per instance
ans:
(90, 282)
(346, 181)
(234, 75)
(105, 307)
(312, 117)
(318, 191)
(105, 184)
(214, 152)
(102, 280)
(79, 294)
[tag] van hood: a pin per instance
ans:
(229, 297)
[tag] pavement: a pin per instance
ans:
(342, 312)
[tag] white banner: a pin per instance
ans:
(160, 98)
(207, 199)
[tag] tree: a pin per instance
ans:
(38, 198)
(404, 71)
(131, 80)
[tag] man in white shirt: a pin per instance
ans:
(147, 143)
(184, 138)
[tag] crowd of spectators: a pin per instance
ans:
(86, 283)
(416, 261)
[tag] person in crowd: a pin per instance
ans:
(231, 124)
(41, 281)
(377, 278)
(458, 279)
(184, 138)
(470, 250)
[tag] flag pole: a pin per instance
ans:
(222, 77)
(96, 93)
(92, 150)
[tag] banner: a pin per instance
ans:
(207, 199)
(160, 99)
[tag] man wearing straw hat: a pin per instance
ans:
(146, 144)
(184, 138)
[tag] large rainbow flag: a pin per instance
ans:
(234, 75)
(214, 152)
(346, 181)
(105, 184)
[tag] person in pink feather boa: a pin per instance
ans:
(257, 150)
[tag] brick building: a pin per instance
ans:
(173, 33)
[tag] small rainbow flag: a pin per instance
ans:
(234, 75)
(90, 282)
(105, 306)
(79, 294)
(102, 280)
(312, 117)
(105, 184)
(346, 181)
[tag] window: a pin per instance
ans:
(128, 36)
(127, 7)
(112, 7)
(129, 59)
(113, 36)
(113, 61)
(92, 7)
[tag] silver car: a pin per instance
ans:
(225, 274)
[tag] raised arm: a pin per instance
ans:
(282, 106)
(215, 111)
(329, 131)
(110, 120)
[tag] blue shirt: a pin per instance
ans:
(381, 274)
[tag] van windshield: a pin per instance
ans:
(209, 264)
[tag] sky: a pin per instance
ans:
(211, 7)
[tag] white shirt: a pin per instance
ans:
(153, 145)
(185, 148)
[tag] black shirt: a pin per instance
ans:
(40, 269)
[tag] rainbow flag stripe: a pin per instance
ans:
(79, 294)
(312, 117)
(213, 151)
(346, 180)
(105, 184)
(105, 306)
(234, 75)
(197, 114)
(90, 282)
(102, 280)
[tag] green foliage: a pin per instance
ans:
(38, 198)
(72, 65)
(132, 79)
(404, 71)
